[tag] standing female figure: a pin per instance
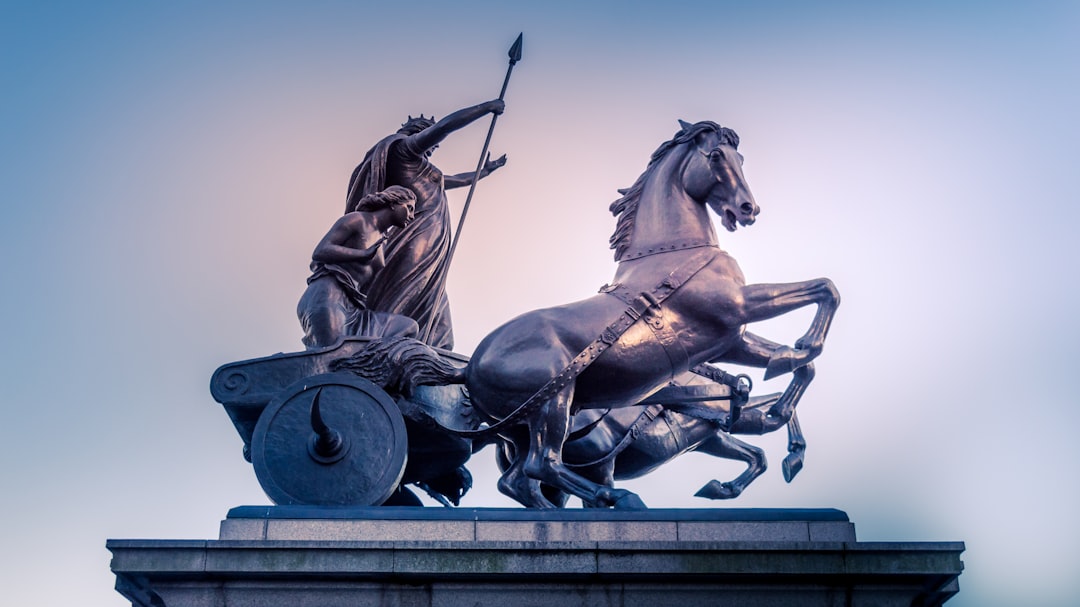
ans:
(416, 256)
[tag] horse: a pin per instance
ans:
(630, 442)
(677, 300)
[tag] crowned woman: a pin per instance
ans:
(411, 283)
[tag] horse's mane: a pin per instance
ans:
(625, 208)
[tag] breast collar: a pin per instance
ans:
(693, 244)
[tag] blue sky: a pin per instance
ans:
(166, 169)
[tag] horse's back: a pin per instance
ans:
(520, 357)
(537, 345)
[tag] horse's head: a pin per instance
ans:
(713, 174)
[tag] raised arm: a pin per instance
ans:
(432, 136)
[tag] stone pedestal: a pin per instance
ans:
(299, 556)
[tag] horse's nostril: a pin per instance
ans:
(747, 208)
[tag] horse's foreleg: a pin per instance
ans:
(725, 446)
(548, 429)
(755, 350)
(752, 351)
(793, 463)
(757, 421)
(765, 301)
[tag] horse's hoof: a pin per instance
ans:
(630, 501)
(715, 490)
(793, 463)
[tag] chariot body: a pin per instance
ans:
(358, 444)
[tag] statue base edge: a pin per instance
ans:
(285, 556)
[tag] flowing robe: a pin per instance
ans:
(411, 283)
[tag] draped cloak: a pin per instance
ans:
(411, 283)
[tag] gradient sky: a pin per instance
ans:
(167, 168)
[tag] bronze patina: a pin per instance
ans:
(691, 307)
(345, 261)
(575, 396)
(417, 256)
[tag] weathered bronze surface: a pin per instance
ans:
(411, 282)
(677, 301)
(575, 396)
(343, 266)
(314, 438)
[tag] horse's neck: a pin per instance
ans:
(666, 215)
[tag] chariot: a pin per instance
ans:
(319, 434)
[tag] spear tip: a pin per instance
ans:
(515, 50)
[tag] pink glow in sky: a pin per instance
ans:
(166, 170)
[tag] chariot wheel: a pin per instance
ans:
(330, 440)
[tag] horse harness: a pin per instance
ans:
(645, 305)
(654, 319)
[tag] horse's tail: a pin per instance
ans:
(401, 364)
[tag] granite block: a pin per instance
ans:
(499, 562)
(300, 560)
(778, 531)
(718, 561)
(151, 556)
(369, 530)
(831, 532)
(189, 594)
(325, 594)
(575, 531)
(289, 557)
(242, 529)
(521, 595)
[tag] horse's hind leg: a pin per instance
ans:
(514, 483)
(725, 446)
(603, 474)
(548, 429)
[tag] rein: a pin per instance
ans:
(636, 310)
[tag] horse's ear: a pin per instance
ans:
(685, 125)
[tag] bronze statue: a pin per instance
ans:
(677, 301)
(576, 396)
(579, 395)
(412, 281)
(343, 264)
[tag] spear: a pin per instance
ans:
(515, 56)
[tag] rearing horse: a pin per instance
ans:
(685, 302)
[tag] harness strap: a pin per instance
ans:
(693, 244)
(611, 334)
(646, 417)
(665, 335)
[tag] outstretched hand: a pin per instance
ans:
(496, 106)
(491, 165)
